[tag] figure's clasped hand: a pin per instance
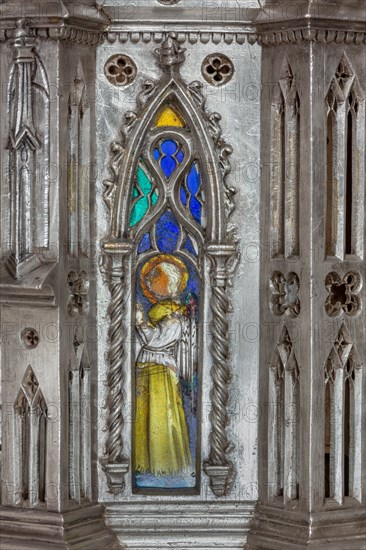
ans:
(139, 314)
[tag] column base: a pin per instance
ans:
(79, 529)
(20, 268)
(156, 525)
(275, 528)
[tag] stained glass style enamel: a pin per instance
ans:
(167, 304)
(168, 116)
(166, 377)
(168, 154)
(143, 195)
(191, 193)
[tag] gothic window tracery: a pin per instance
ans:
(79, 423)
(285, 166)
(284, 421)
(171, 233)
(345, 106)
(343, 404)
(30, 441)
(167, 302)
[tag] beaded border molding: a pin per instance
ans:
(265, 38)
(68, 33)
(325, 36)
(192, 37)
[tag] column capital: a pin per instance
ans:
(113, 261)
(224, 261)
(283, 22)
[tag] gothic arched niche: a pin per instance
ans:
(169, 232)
(167, 220)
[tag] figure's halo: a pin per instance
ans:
(151, 265)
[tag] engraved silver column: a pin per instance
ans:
(24, 146)
(312, 351)
(116, 270)
(46, 312)
(218, 466)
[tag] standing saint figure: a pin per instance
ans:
(161, 433)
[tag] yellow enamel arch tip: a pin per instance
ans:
(169, 117)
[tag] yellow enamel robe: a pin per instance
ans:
(161, 435)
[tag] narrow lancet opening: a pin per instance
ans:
(330, 214)
(349, 249)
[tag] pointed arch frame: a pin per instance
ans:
(174, 88)
(218, 246)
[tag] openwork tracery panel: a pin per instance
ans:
(79, 423)
(345, 103)
(78, 174)
(170, 209)
(30, 436)
(285, 166)
(283, 433)
(344, 402)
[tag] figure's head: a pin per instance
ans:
(163, 276)
(165, 279)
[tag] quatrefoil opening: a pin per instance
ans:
(343, 293)
(217, 69)
(284, 299)
(120, 70)
(78, 302)
(30, 338)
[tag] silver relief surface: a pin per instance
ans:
(296, 345)
(109, 126)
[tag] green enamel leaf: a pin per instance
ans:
(141, 206)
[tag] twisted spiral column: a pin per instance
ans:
(115, 377)
(218, 467)
(221, 376)
(114, 463)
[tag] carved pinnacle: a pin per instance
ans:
(171, 53)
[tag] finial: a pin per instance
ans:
(171, 53)
(23, 40)
(22, 29)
